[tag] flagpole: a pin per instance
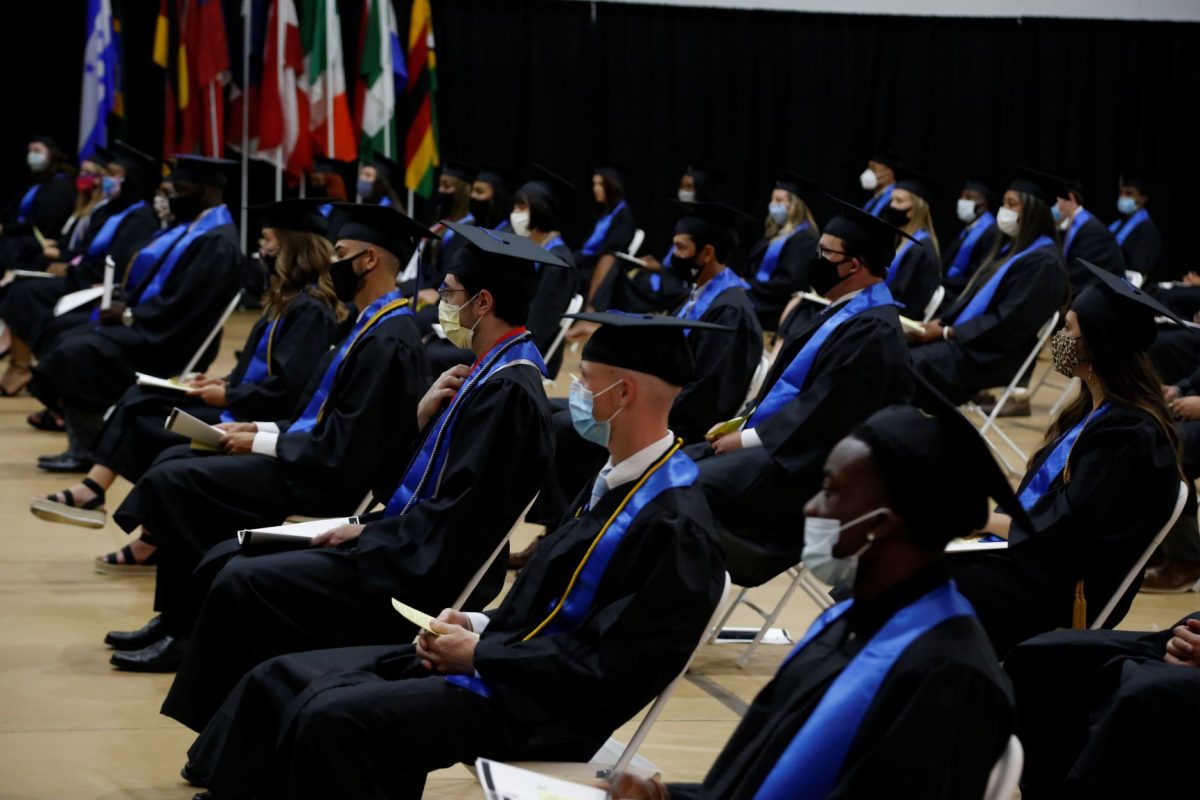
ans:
(385, 47)
(212, 116)
(329, 17)
(280, 55)
(247, 8)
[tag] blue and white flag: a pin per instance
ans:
(99, 78)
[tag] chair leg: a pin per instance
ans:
(744, 658)
(720, 626)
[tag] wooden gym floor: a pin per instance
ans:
(72, 728)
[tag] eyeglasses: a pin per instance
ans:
(824, 252)
(445, 291)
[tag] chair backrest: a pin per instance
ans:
(466, 592)
(935, 302)
(635, 243)
(191, 365)
(652, 715)
(1006, 774)
(572, 308)
(1135, 277)
(1104, 614)
(756, 380)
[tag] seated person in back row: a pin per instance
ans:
(587, 636)
(896, 692)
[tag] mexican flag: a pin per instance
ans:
(421, 146)
(380, 71)
(329, 106)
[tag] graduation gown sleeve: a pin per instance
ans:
(1142, 251)
(556, 286)
(790, 275)
(51, 208)
(917, 276)
(1093, 243)
(620, 232)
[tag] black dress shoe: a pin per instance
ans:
(146, 635)
(203, 796)
(188, 773)
(165, 655)
(65, 463)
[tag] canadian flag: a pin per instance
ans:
(284, 112)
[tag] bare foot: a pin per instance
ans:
(15, 379)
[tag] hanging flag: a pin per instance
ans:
(118, 129)
(203, 72)
(99, 78)
(329, 107)
(284, 107)
(244, 90)
(161, 56)
(421, 144)
(381, 72)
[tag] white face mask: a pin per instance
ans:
(520, 222)
(455, 332)
(686, 195)
(1008, 221)
(36, 160)
(966, 210)
(869, 179)
(821, 535)
(778, 212)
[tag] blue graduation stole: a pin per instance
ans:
(385, 201)
(810, 765)
(149, 255)
(325, 209)
(27, 200)
(218, 216)
(1122, 228)
(673, 471)
(260, 363)
(592, 246)
(725, 279)
(894, 267)
(791, 382)
(970, 237)
(771, 258)
(555, 242)
(979, 302)
(1054, 464)
(503, 225)
(103, 238)
(1081, 216)
(469, 219)
(876, 204)
(383, 309)
(425, 470)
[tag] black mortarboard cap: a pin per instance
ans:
(889, 158)
(938, 469)
(51, 145)
(918, 183)
(985, 185)
(202, 170)
(499, 258)
(711, 222)
(1072, 179)
(651, 343)
(708, 180)
(1042, 185)
(865, 234)
(1136, 181)
(389, 169)
(801, 186)
(293, 215)
(1123, 309)
(555, 191)
(135, 162)
(499, 176)
(460, 169)
(382, 226)
(101, 155)
(615, 171)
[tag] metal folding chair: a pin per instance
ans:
(801, 579)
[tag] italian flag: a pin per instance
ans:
(421, 145)
(380, 71)
(329, 106)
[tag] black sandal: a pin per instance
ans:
(47, 420)
(108, 564)
(87, 515)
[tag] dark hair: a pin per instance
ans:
(1129, 379)
(614, 192)
(722, 243)
(512, 302)
(1036, 221)
(542, 214)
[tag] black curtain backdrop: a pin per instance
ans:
(569, 84)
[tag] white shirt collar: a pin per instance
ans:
(636, 464)
(846, 298)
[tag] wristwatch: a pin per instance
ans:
(127, 317)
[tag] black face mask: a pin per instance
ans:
(823, 274)
(268, 261)
(481, 210)
(345, 280)
(445, 203)
(686, 269)
(185, 208)
(895, 216)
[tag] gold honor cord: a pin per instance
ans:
(563, 600)
(390, 307)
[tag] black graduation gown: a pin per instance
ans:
(1142, 252)
(91, 371)
(758, 493)
(1092, 242)
(989, 349)
(790, 275)
(191, 501)
(620, 233)
(917, 278)
(1124, 482)
(52, 207)
(1100, 714)
(261, 606)
(133, 435)
(556, 287)
(554, 697)
(936, 727)
(954, 285)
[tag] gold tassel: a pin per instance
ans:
(1079, 612)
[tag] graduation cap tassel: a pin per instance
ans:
(1079, 610)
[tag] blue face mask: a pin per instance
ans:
(778, 212)
(110, 186)
(1126, 205)
(1054, 212)
(365, 187)
(587, 426)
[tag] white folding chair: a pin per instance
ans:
(760, 375)
(635, 243)
(1140, 565)
(572, 308)
(191, 365)
(1135, 277)
(989, 420)
(470, 587)
(935, 302)
(801, 579)
(1006, 774)
(362, 508)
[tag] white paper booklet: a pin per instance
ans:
(502, 781)
(289, 534)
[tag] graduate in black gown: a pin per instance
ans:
(1135, 231)
(159, 324)
(915, 271)
(1083, 235)
(586, 637)
(830, 374)
(1104, 481)
(492, 196)
(357, 419)
(296, 330)
(45, 205)
(976, 207)
(380, 181)
(896, 692)
(453, 196)
(777, 266)
(879, 178)
(1108, 713)
(612, 233)
(982, 338)
(484, 443)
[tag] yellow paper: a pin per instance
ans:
(728, 426)
(911, 325)
(38, 237)
(418, 618)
